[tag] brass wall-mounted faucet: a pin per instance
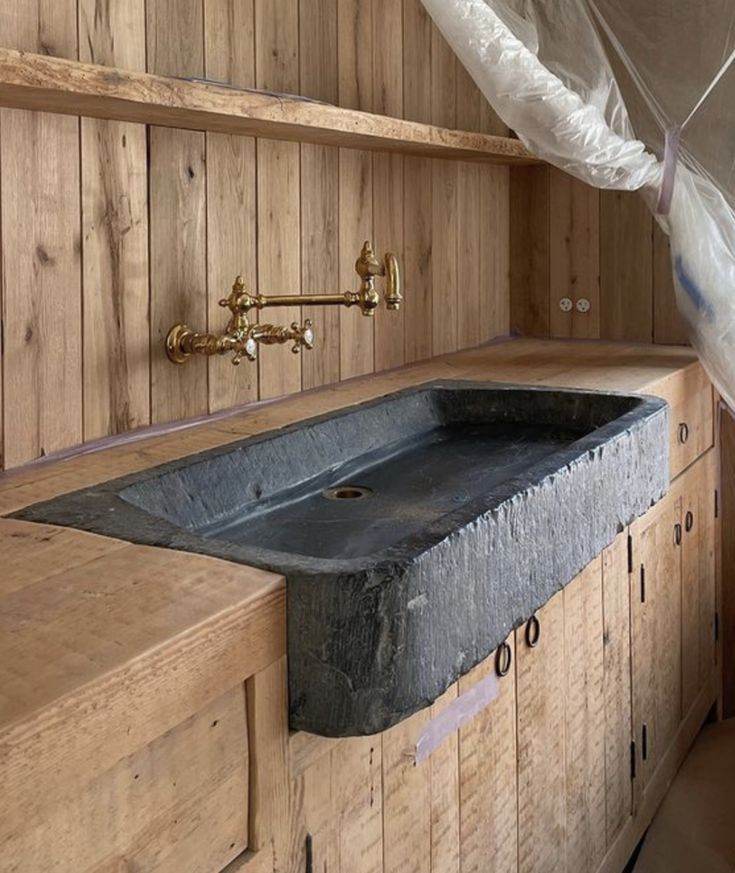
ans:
(241, 337)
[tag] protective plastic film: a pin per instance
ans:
(629, 96)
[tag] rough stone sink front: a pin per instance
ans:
(415, 531)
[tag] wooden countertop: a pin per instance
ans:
(105, 645)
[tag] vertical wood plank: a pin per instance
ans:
(229, 49)
(444, 201)
(320, 192)
(488, 777)
(469, 221)
(727, 510)
(617, 671)
(495, 252)
(114, 184)
(355, 59)
(529, 250)
(267, 709)
(709, 544)
(40, 253)
(178, 267)
(541, 760)
(388, 171)
(279, 223)
(177, 190)
(584, 728)
(417, 187)
(574, 263)
(691, 595)
(41, 279)
(445, 798)
(407, 809)
(313, 815)
(668, 325)
(626, 267)
(357, 765)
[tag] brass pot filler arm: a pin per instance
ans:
(241, 337)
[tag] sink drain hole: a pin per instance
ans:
(346, 492)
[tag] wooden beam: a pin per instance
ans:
(30, 81)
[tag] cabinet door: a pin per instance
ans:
(655, 602)
(584, 720)
(698, 578)
(541, 778)
(487, 762)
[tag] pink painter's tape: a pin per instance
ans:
(458, 713)
(671, 160)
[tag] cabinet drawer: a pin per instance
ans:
(179, 803)
(691, 417)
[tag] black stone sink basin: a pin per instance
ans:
(415, 531)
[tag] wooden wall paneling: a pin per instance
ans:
(444, 201)
(279, 220)
(495, 251)
(313, 818)
(692, 586)
(358, 793)
(727, 560)
(529, 251)
(574, 263)
(40, 253)
(177, 215)
(540, 677)
(584, 720)
(320, 193)
(668, 325)
(407, 807)
(114, 184)
(626, 267)
(179, 802)
(469, 220)
(41, 264)
(488, 777)
(417, 187)
(388, 172)
(617, 671)
(266, 696)
(229, 56)
(445, 796)
(355, 74)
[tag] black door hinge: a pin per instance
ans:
(644, 741)
(643, 583)
(717, 503)
(632, 759)
(630, 553)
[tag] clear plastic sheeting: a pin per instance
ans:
(629, 96)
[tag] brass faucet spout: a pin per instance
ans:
(242, 338)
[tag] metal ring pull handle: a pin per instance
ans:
(533, 632)
(503, 659)
(683, 432)
(689, 522)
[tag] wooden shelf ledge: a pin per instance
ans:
(47, 84)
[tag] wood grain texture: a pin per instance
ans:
(617, 689)
(488, 786)
(80, 638)
(445, 795)
(320, 191)
(178, 803)
(584, 720)
(574, 263)
(41, 280)
(529, 251)
(626, 267)
(541, 681)
(727, 503)
(495, 253)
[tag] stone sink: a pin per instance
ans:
(415, 531)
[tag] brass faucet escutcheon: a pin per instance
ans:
(241, 336)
